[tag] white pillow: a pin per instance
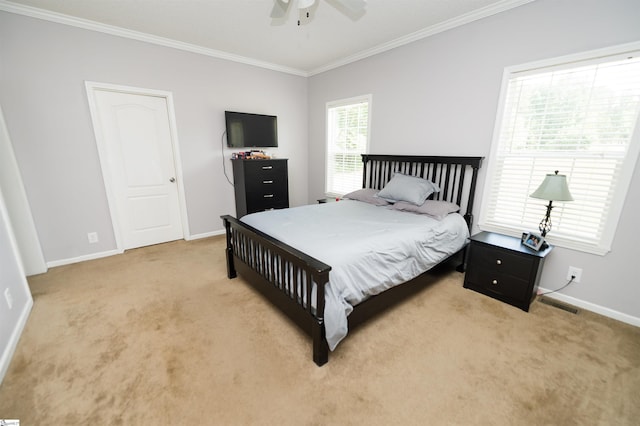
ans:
(411, 189)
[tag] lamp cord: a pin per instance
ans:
(553, 291)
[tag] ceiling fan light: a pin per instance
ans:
(305, 4)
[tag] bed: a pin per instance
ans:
(279, 256)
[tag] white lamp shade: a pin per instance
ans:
(553, 188)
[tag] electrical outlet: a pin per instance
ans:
(9, 297)
(92, 237)
(574, 272)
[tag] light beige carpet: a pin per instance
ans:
(159, 335)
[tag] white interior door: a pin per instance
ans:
(135, 138)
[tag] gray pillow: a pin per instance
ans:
(411, 189)
(436, 209)
(367, 195)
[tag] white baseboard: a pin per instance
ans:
(91, 256)
(601, 310)
(205, 235)
(108, 253)
(5, 358)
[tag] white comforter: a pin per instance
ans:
(369, 248)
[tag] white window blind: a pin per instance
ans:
(577, 118)
(347, 139)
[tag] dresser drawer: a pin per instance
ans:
(266, 198)
(262, 204)
(259, 187)
(274, 194)
(264, 170)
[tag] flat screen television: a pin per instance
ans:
(246, 130)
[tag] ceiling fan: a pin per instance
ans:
(352, 8)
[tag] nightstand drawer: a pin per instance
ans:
(497, 282)
(503, 262)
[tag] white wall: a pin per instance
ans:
(44, 67)
(18, 206)
(12, 278)
(439, 96)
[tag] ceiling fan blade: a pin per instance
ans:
(279, 8)
(354, 6)
(354, 9)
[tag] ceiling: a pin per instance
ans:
(242, 30)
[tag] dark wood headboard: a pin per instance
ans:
(456, 176)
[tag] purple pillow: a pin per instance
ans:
(367, 195)
(436, 209)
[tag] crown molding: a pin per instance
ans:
(425, 32)
(87, 24)
(60, 18)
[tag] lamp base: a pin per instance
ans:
(545, 223)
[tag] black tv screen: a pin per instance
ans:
(246, 130)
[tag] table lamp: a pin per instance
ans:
(553, 188)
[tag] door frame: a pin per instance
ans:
(92, 87)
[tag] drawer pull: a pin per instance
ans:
(268, 195)
(498, 262)
(267, 167)
(267, 181)
(494, 282)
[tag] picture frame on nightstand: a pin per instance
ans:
(533, 241)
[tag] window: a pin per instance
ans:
(347, 138)
(577, 115)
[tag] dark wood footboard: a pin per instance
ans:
(293, 281)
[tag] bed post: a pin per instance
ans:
(320, 347)
(231, 269)
(364, 170)
(469, 214)
(318, 334)
(472, 191)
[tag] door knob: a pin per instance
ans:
(172, 179)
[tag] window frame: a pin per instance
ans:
(626, 170)
(336, 104)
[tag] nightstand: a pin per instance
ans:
(501, 267)
(326, 200)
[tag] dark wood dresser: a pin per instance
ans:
(260, 185)
(502, 267)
